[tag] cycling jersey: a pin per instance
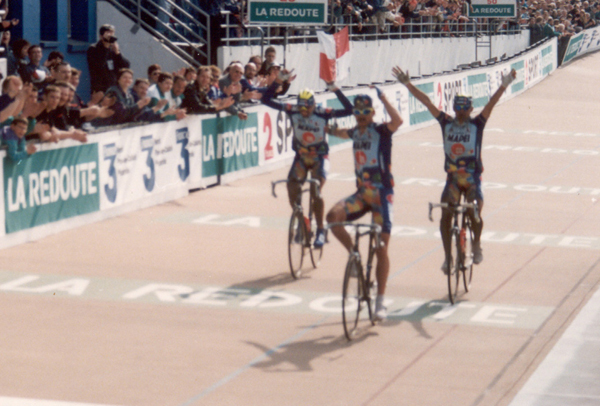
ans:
(373, 156)
(462, 144)
(309, 133)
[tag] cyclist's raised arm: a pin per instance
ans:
(404, 78)
(339, 132)
(347, 110)
(506, 81)
(269, 94)
(396, 120)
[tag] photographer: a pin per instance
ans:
(105, 60)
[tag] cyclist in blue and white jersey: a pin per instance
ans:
(462, 137)
(372, 147)
(309, 142)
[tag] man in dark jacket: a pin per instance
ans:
(105, 60)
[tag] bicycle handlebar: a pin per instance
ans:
(372, 228)
(316, 182)
(457, 208)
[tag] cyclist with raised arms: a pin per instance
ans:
(372, 147)
(462, 137)
(309, 142)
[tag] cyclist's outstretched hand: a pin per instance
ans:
(402, 77)
(507, 80)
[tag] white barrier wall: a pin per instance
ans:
(66, 185)
(582, 43)
(420, 56)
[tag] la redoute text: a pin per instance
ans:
(49, 186)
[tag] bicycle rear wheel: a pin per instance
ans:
(468, 255)
(351, 297)
(454, 268)
(296, 240)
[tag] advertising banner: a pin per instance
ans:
(582, 43)
(50, 186)
(229, 144)
(142, 161)
(298, 12)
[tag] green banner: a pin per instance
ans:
(229, 144)
(547, 60)
(573, 47)
(288, 13)
(418, 111)
(51, 186)
(492, 11)
(479, 89)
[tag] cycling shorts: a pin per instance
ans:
(462, 182)
(318, 165)
(379, 201)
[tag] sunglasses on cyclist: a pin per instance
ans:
(462, 108)
(363, 112)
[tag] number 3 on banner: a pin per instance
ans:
(148, 145)
(182, 138)
(111, 192)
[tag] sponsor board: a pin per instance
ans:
(50, 186)
(287, 12)
(418, 113)
(229, 144)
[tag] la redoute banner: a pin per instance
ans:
(69, 184)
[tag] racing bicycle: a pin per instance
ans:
(302, 228)
(359, 289)
(460, 257)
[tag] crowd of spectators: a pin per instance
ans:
(40, 101)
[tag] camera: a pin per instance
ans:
(112, 40)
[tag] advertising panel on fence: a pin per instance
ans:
(446, 87)
(418, 113)
(229, 144)
(138, 162)
(582, 43)
(276, 133)
(194, 152)
(50, 186)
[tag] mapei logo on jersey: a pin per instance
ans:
(466, 137)
(364, 145)
(458, 149)
(308, 137)
(360, 157)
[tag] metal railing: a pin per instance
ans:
(426, 27)
(180, 25)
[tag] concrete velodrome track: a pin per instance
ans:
(192, 302)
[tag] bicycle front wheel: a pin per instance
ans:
(468, 255)
(351, 297)
(454, 268)
(296, 241)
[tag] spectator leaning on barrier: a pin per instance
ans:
(105, 60)
(162, 91)
(46, 128)
(125, 107)
(13, 137)
(231, 85)
(196, 99)
(148, 114)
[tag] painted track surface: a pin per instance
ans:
(192, 303)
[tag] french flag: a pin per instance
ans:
(335, 57)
